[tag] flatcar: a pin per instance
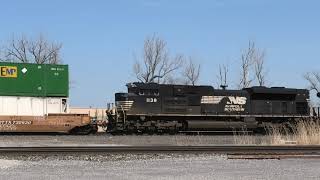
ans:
(157, 108)
(51, 123)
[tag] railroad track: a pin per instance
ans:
(232, 152)
(312, 150)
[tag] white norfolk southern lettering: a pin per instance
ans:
(237, 100)
(235, 103)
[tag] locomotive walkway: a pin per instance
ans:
(233, 152)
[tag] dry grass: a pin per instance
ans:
(307, 133)
(302, 132)
(243, 137)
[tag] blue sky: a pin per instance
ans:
(99, 37)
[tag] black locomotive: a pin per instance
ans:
(157, 108)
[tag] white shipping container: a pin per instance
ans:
(32, 106)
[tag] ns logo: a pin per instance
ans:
(8, 71)
(235, 104)
(237, 100)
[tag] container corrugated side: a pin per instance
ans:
(34, 80)
(32, 106)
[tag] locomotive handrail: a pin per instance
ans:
(124, 117)
(222, 115)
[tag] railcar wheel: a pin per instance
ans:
(83, 130)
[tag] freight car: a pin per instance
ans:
(34, 98)
(157, 108)
(51, 123)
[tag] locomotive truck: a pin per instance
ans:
(158, 108)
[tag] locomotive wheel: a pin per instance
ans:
(151, 130)
(159, 132)
(139, 132)
(116, 133)
(172, 131)
(130, 131)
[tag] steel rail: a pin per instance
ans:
(168, 149)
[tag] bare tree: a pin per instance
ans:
(172, 79)
(2, 59)
(156, 64)
(314, 80)
(223, 76)
(17, 50)
(246, 62)
(259, 66)
(191, 72)
(252, 56)
(39, 51)
(44, 52)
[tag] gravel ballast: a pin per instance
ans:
(154, 166)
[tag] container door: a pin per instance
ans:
(57, 80)
(38, 107)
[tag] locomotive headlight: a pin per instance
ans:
(151, 100)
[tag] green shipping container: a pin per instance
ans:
(35, 80)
